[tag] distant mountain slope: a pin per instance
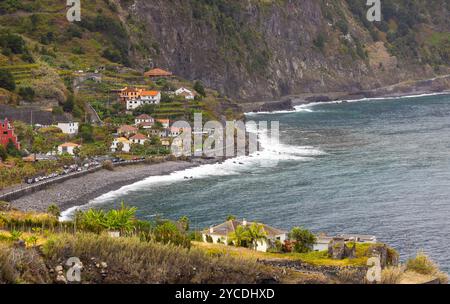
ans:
(252, 49)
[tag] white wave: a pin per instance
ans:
(307, 106)
(272, 151)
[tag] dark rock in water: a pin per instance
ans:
(284, 105)
(322, 98)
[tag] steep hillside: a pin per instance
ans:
(252, 49)
(263, 49)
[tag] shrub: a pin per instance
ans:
(422, 264)
(199, 88)
(7, 80)
(27, 93)
(391, 275)
(133, 261)
(304, 239)
(54, 210)
(350, 275)
(22, 266)
(108, 165)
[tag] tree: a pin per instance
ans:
(239, 236)
(231, 218)
(304, 239)
(199, 88)
(11, 149)
(7, 80)
(27, 93)
(54, 210)
(69, 104)
(121, 219)
(86, 133)
(184, 222)
(119, 147)
(256, 234)
(3, 153)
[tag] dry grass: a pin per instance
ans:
(133, 261)
(18, 265)
(423, 265)
(391, 275)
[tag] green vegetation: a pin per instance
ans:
(422, 264)
(304, 239)
(7, 80)
(145, 253)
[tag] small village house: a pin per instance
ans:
(68, 148)
(7, 133)
(144, 118)
(127, 130)
(70, 128)
(220, 234)
(138, 139)
(145, 97)
(187, 94)
(322, 240)
(128, 93)
(174, 131)
(146, 125)
(126, 145)
(164, 122)
(158, 73)
(150, 97)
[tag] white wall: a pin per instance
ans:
(69, 128)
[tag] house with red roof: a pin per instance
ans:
(144, 119)
(127, 130)
(158, 73)
(139, 139)
(7, 133)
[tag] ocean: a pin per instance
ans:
(378, 167)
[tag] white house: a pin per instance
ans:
(126, 144)
(188, 94)
(220, 234)
(68, 148)
(145, 97)
(151, 97)
(174, 131)
(322, 240)
(70, 128)
(138, 139)
(144, 119)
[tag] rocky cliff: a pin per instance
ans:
(257, 49)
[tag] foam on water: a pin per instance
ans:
(307, 107)
(271, 152)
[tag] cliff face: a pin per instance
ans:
(258, 49)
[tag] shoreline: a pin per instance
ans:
(80, 190)
(433, 86)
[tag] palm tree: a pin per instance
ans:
(256, 233)
(122, 219)
(239, 236)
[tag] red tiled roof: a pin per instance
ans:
(149, 93)
(144, 116)
(139, 136)
(127, 128)
(157, 72)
